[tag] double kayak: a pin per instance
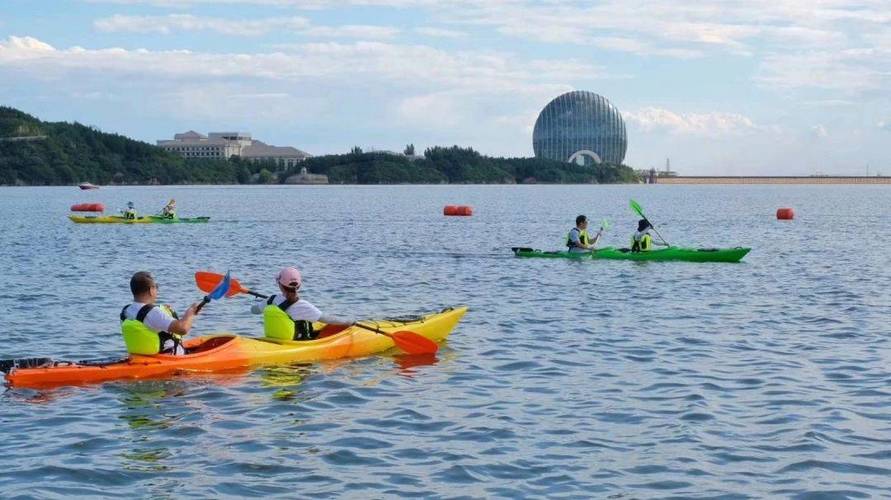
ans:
(144, 219)
(226, 352)
(663, 254)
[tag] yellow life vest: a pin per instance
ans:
(644, 245)
(277, 324)
(139, 338)
(583, 237)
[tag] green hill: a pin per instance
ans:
(34, 152)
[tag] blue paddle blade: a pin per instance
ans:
(221, 290)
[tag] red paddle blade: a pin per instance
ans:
(413, 343)
(208, 281)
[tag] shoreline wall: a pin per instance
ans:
(774, 180)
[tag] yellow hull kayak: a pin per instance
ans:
(142, 219)
(226, 351)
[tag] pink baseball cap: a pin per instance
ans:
(289, 277)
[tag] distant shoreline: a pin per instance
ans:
(788, 179)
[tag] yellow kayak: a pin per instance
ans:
(146, 219)
(227, 351)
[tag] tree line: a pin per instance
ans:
(33, 152)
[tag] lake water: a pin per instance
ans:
(566, 379)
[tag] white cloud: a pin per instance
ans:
(301, 4)
(819, 131)
(485, 99)
(703, 124)
(238, 27)
(851, 70)
(439, 32)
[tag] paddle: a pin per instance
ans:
(637, 209)
(217, 292)
(408, 341)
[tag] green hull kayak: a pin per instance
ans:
(663, 254)
(148, 219)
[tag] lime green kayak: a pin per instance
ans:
(663, 254)
(148, 219)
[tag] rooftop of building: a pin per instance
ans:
(261, 149)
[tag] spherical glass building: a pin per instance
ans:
(580, 127)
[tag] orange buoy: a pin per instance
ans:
(459, 210)
(785, 214)
(88, 207)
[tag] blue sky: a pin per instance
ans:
(731, 87)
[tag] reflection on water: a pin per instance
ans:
(406, 362)
(284, 379)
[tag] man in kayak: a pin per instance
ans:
(169, 210)
(642, 241)
(578, 240)
(130, 213)
(149, 328)
(287, 316)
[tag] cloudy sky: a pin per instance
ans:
(729, 87)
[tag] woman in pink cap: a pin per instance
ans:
(287, 316)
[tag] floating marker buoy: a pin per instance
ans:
(88, 207)
(785, 214)
(459, 210)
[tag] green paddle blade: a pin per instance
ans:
(637, 209)
(604, 225)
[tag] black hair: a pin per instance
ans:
(580, 219)
(643, 224)
(141, 283)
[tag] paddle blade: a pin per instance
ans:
(207, 283)
(222, 289)
(637, 209)
(604, 225)
(413, 343)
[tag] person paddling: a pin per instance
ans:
(149, 328)
(289, 317)
(169, 210)
(578, 240)
(130, 212)
(642, 241)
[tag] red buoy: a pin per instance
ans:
(785, 214)
(88, 207)
(459, 210)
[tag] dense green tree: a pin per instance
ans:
(33, 152)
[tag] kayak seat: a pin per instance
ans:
(329, 330)
(624, 250)
(208, 345)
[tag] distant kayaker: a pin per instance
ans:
(578, 239)
(642, 241)
(130, 213)
(169, 210)
(149, 328)
(287, 316)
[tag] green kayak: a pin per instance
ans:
(148, 219)
(662, 254)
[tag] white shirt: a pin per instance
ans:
(300, 310)
(157, 320)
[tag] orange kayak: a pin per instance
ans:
(224, 352)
